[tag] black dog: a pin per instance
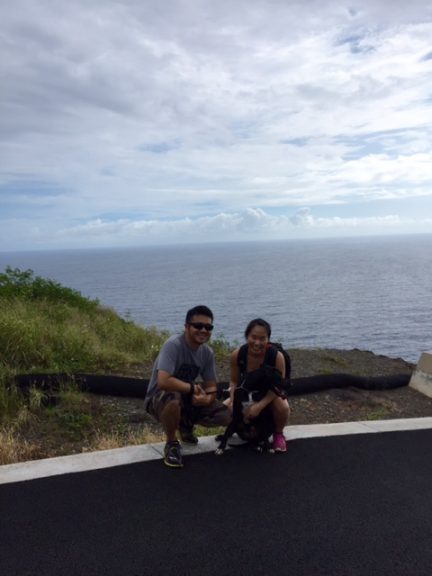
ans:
(257, 431)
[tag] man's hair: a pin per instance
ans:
(258, 322)
(198, 311)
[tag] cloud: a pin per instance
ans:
(140, 112)
(304, 218)
(251, 224)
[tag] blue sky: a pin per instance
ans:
(132, 123)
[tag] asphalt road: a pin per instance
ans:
(345, 505)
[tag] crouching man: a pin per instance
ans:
(173, 398)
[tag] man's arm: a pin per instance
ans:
(206, 394)
(201, 395)
(165, 381)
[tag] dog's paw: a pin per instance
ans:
(219, 451)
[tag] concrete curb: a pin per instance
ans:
(31, 470)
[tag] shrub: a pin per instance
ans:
(15, 283)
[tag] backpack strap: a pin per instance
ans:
(242, 360)
(278, 346)
(270, 356)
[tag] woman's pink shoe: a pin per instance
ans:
(279, 443)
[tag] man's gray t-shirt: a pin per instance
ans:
(179, 360)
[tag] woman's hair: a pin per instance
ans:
(257, 322)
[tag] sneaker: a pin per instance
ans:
(279, 443)
(173, 455)
(187, 436)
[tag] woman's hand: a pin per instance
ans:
(253, 411)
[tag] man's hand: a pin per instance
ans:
(200, 398)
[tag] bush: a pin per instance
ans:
(15, 283)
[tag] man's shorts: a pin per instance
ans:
(217, 414)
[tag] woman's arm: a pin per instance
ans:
(256, 408)
(234, 375)
(280, 364)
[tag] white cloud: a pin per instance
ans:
(251, 224)
(138, 111)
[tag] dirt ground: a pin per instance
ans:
(99, 422)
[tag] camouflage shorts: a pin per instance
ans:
(217, 414)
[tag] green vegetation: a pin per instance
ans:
(379, 413)
(46, 327)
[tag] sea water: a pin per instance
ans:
(370, 293)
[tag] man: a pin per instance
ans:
(173, 397)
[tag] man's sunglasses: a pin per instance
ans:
(201, 326)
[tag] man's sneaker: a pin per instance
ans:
(279, 443)
(187, 436)
(173, 455)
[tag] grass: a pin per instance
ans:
(13, 448)
(42, 336)
(46, 327)
(379, 413)
(76, 422)
(332, 360)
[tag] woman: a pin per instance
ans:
(246, 366)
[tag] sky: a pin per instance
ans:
(134, 123)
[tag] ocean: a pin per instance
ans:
(369, 293)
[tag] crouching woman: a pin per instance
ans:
(249, 369)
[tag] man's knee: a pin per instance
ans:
(171, 407)
(165, 405)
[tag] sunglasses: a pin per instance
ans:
(201, 326)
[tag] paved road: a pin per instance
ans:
(345, 505)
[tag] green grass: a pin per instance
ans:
(49, 336)
(332, 359)
(377, 414)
